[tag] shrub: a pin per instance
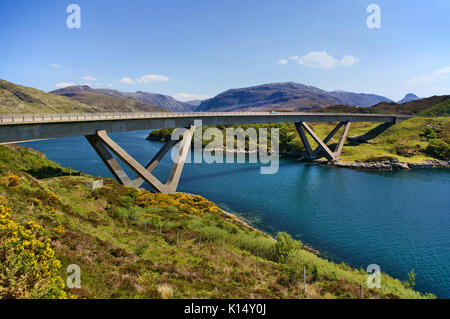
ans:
(10, 181)
(166, 291)
(28, 267)
(438, 149)
(256, 245)
(212, 234)
(428, 134)
(283, 247)
(140, 249)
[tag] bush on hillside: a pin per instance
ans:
(284, 246)
(438, 149)
(28, 267)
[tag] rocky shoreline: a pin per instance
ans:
(389, 164)
(392, 164)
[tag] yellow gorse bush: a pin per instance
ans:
(188, 204)
(28, 267)
(10, 181)
(59, 230)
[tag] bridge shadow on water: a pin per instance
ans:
(250, 167)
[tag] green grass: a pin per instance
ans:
(404, 141)
(129, 243)
(17, 99)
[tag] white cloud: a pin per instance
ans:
(184, 97)
(322, 59)
(152, 78)
(89, 78)
(56, 66)
(441, 74)
(128, 80)
(348, 60)
(316, 59)
(64, 84)
(110, 84)
(145, 79)
(283, 61)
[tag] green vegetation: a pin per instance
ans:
(134, 244)
(106, 103)
(17, 99)
(431, 106)
(415, 140)
(440, 109)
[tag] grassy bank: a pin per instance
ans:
(414, 141)
(135, 244)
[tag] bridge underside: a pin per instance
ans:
(322, 149)
(105, 147)
(103, 144)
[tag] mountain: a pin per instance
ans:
(416, 106)
(163, 101)
(408, 98)
(104, 102)
(359, 99)
(284, 96)
(194, 103)
(430, 106)
(17, 99)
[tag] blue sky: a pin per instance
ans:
(191, 49)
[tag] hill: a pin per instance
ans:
(408, 98)
(130, 243)
(284, 96)
(103, 102)
(415, 106)
(19, 99)
(162, 101)
(431, 106)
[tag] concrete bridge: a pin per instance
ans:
(25, 128)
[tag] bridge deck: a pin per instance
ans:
(28, 127)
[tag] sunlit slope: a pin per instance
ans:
(134, 244)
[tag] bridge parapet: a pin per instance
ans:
(313, 117)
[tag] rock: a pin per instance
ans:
(400, 165)
(412, 165)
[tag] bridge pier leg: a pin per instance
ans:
(103, 144)
(322, 148)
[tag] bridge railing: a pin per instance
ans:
(70, 117)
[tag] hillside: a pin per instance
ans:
(408, 98)
(413, 107)
(416, 140)
(134, 244)
(284, 96)
(145, 98)
(19, 99)
(104, 102)
(431, 106)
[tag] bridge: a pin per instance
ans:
(94, 126)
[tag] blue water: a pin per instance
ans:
(399, 220)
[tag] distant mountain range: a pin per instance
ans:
(17, 99)
(430, 106)
(101, 100)
(143, 101)
(275, 96)
(285, 96)
(408, 98)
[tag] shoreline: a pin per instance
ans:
(245, 223)
(388, 164)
